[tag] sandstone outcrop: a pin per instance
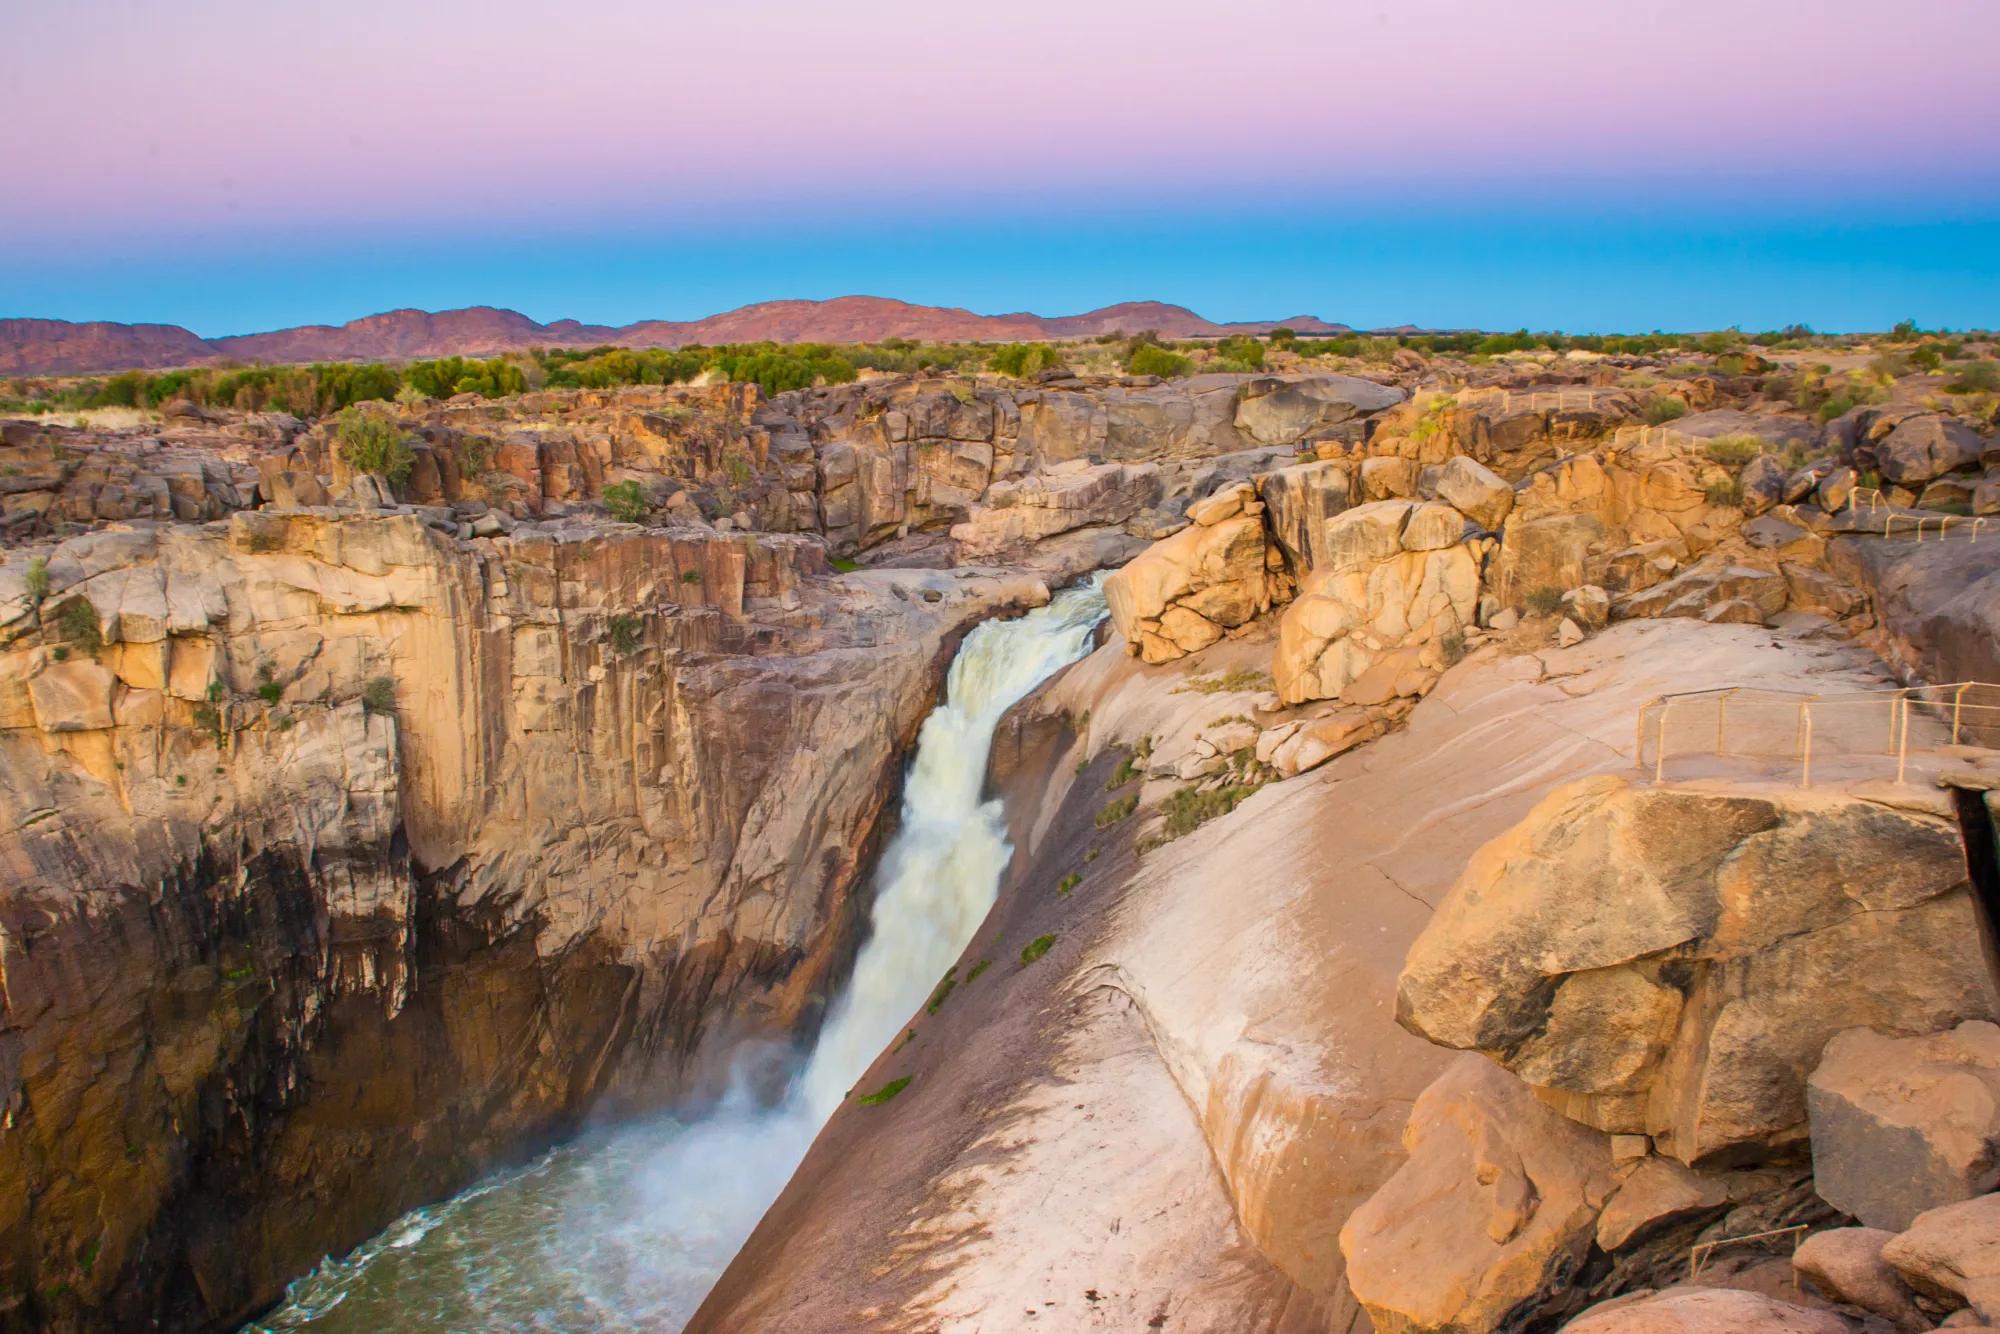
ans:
(1902, 1125)
(1185, 592)
(1387, 607)
(1740, 933)
(1497, 1200)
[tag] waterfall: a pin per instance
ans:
(632, 1228)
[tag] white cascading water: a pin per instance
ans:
(631, 1228)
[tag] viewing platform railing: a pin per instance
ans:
(1899, 729)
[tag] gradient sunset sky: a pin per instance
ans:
(234, 165)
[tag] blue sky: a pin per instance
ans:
(233, 165)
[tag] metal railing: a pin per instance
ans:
(1746, 722)
(1582, 398)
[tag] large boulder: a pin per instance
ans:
(1846, 1264)
(1300, 502)
(1660, 1192)
(1902, 1125)
(1951, 1255)
(1707, 589)
(1706, 1311)
(1926, 446)
(1476, 491)
(1494, 1207)
(1397, 578)
(1673, 962)
(1184, 592)
(1281, 411)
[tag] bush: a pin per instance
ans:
(1035, 949)
(625, 633)
(370, 442)
(1733, 451)
(1664, 409)
(76, 622)
(1727, 495)
(1117, 810)
(1190, 808)
(270, 692)
(1978, 377)
(38, 580)
(885, 1093)
(379, 695)
(942, 992)
(627, 501)
(1543, 601)
(1068, 882)
(1241, 352)
(977, 969)
(1150, 359)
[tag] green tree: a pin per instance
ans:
(372, 442)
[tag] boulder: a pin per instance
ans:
(1183, 592)
(1494, 1207)
(1568, 633)
(1589, 606)
(1986, 496)
(1383, 588)
(1705, 1311)
(1384, 478)
(1764, 484)
(1706, 585)
(1846, 1264)
(1673, 962)
(1926, 446)
(1902, 1125)
(1660, 1192)
(1951, 1255)
(1476, 491)
(1835, 489)
(1948, 493)
(1299, 502)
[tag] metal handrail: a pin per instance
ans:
(1898, 702)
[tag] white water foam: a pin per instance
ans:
(631, 1228)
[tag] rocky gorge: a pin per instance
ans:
(1349, 970)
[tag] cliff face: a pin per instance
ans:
(347, 856)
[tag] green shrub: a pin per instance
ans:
(1543, 601)
(1733, 451)
(270, 692)
(379, 695)
(371, 442)
(1127, 770)
(77, 623)
(1190, 808)
(977, 969)
(1241, 353)
(627, 501)
(690, 576)
(1727, 495)
(1021, 360)
(1068, 882)
(843, 565)
(1151, 359)
(1664, 409)
(1092, 854)
(38, 580)
(1035, 949)
(1117, 810)
(625, 633)
(1978, 377)
(942, 992)
(885, 1093)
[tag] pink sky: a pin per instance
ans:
(135, 117)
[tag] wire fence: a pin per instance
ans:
(1882, 730)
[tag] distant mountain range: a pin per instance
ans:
(59, 347)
